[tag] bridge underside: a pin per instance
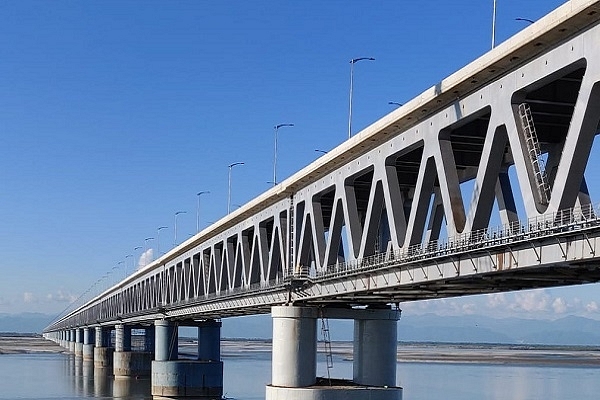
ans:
(494, 282)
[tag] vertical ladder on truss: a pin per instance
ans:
(534, 153)
(327, 344)
(290, 266)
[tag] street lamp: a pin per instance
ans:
(175, 237)
(123, 262)
(393, 103)
(525, 19)
(198, 209)
(229, 185)
(275, 157)
(158, 239)
(494, 26)
(134, 250)
(146, 243)
(126, 257)
(320, 151)
(352, 62)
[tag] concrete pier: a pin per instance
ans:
(295, 349)
(128, 363)
(72, 340)
(79, 342)
(88, 344)
(294, 346)
(201, 378)
(103, 353)
(374, 348)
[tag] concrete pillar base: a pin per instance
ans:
(187, 379)
(72, 347)
(132, 363)
(88, 352)
(103, 357)
(333, 393)
(79, 349)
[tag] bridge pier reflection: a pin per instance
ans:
(200, 378)
(295, 355)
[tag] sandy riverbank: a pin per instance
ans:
(454, 353)
(407, 352)
(28, 345)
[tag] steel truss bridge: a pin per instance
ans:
(421, 204)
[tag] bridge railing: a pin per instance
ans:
(575, 218)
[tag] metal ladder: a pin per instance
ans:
(327, 344)
(534, 153)
(291, 239)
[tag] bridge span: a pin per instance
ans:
(475, 186)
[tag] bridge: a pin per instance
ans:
(475, 186)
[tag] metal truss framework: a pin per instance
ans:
(398, 189)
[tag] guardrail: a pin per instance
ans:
(545, 225)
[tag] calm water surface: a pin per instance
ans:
(60, 376)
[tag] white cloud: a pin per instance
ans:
(559, 305)
(459, 306)
(61, 297)
(496, 300)
(146, 258)
(29, 298)
(546, 303)
(591, 307)
(531, 301)
(469, 308)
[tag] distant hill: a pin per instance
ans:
(570, 330)
(25, 322)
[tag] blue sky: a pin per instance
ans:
(113, 115)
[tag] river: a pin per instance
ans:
(425, 371)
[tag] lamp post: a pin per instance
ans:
(123, 262)
(198, 209)
(134, 249)
(175, 229)
(126, 257)
(146, 243)
(352, 62)
(393, 103)
(160, 228)
(275, 157)
(494, 26)
(229, 185)
(320, 151)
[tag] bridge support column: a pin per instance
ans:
(103, 353)
(88, 344)
(79, 342)
(375, 348)
(295, 349)
(201, 378)
(72, 340)
(294, 346)
(128, 363)
(61, 339)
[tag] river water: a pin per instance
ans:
(428, 372)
